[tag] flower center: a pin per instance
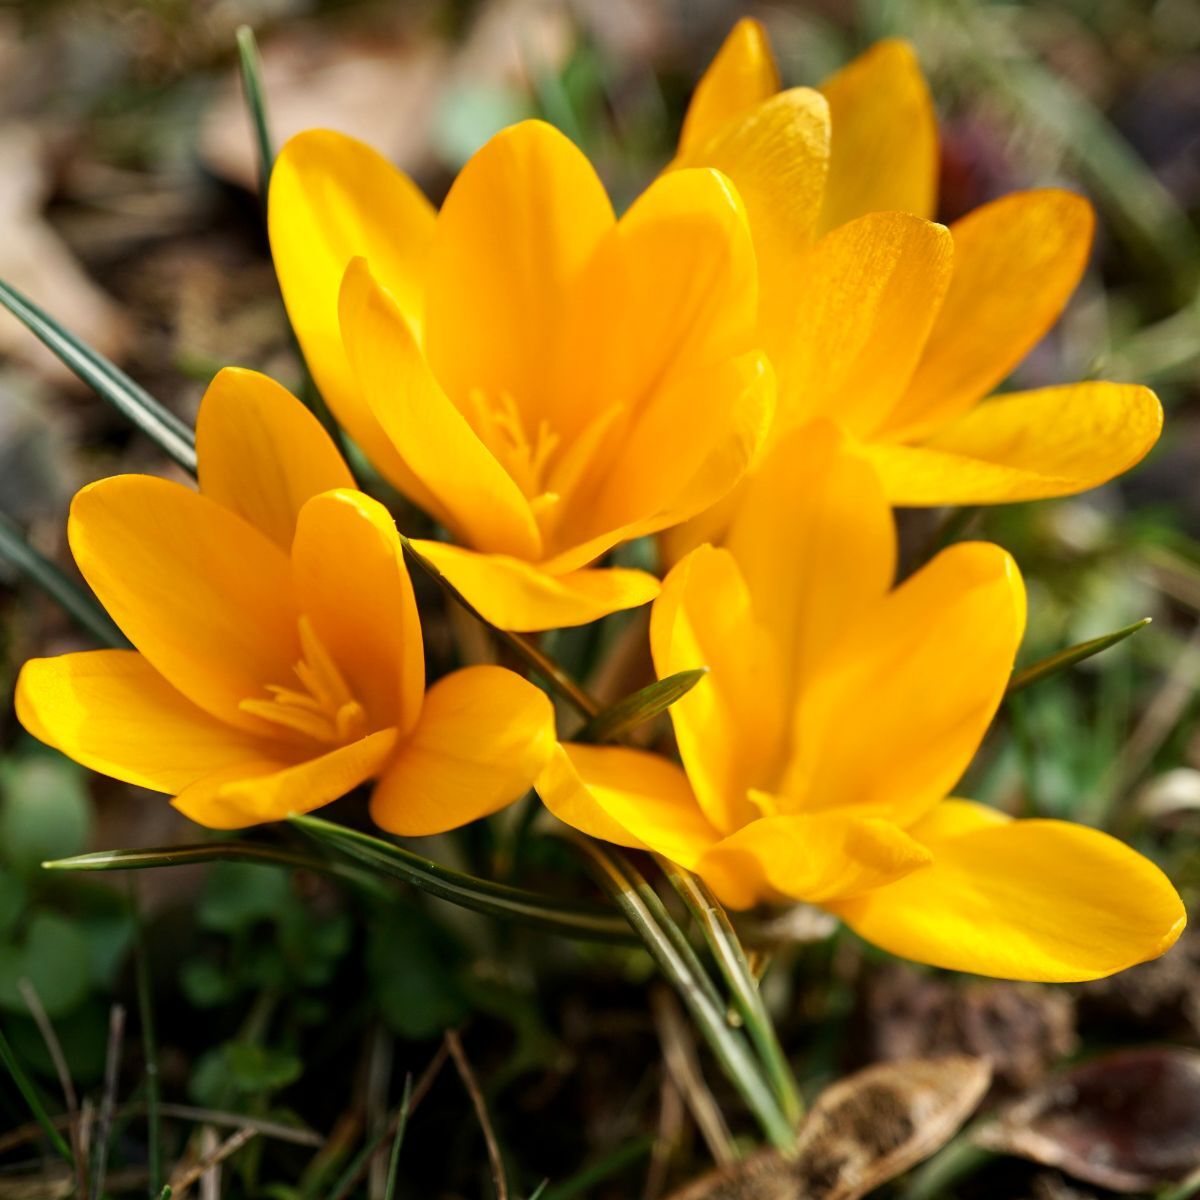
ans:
(322, 708)
(497, 421)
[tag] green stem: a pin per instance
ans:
(730, 1049)
(29, 1091)
(727, 949)
(149, 1050)
(250, 62)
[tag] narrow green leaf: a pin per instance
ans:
(1055, 663)
(571, 918)
(627, 714)
(131, 400)
(541, 662)
(398, 1141)
(177, 856)
(582, 1183)
(250, 62)
(28, 1090)
(81, 605)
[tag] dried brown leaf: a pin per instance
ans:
(861, 1132)
(1128, 1121)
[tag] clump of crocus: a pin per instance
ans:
(836, 718)
(278, 659)
(544, 380)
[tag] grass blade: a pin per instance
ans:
(29, 1092)
(131, 400)
(582, 1183)
(250, 62)
(145, 1002)
(617, 876)
(570, 918)
(1055, 663)
(82, 606)
(398, 1140)
(727, 949)
(618, 719)
(541, 662)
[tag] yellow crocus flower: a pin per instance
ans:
(837, 715)
(544, 380)
(278, 659)
(894, 326)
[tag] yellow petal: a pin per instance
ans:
(483, 737)
(715, 421)
(333, 199)
(262, 453)
(866, 296)
(270, 790)
(892, 717)
(202, 594)
(525, 598)
(113, 712)
(628, 797)
(514, 235)
(809, 858)
(352, 584)
(730, 726)
(1037, 900)
(883, 153)
(1016, 262)
(742, 75)
(776, 156)
(814, 540)
(474, 496)
(1026, 446)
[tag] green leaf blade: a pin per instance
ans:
(619, 718)
(1054, 663)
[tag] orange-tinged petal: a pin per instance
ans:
(890, 720)
(262, 454)
(484, 735)
(1016, 262)
(814, 540)
(776, 156)
(1026, 446)
(865, 298)
(1037, 900)
(270, 790)
(202, 594)
(809, 858)
(730, 726)
(352, 583)
(742, 75)
(628, 797)
(883, 153)
(333, 199)
(715, 422)
(474, 495)
(113, 712)
(526, 598)
(513, 237)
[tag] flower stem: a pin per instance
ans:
(727, 949)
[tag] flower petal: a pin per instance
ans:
(776, 156)
(742, 75)
(513, 238)
(352, 583)
(1016, 262)
(883, 153)
(1026, 446)
(890, 721)
(113, 712)
(628, 797)
(484, 735)
(270, 790)
(473, 494)
(202, 594)
(1036, 900)
(262, 454)
(333, 199)
(525, 598)
(730, 726)
(814, 540)
(809, 858)
(869, 295)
